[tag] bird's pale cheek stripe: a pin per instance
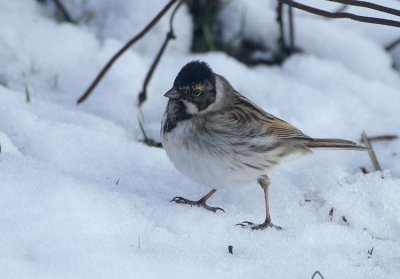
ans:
(190, 107)
(218, 97)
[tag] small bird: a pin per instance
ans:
(219, 138)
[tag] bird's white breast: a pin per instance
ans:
(201, 161)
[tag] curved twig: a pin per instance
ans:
(369, 5)
(392, 45)
(170, 36)
(143, 94)
(123, 49)
(373, 20)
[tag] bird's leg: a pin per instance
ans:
(264, 183)
(200, 203)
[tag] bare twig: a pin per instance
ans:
(63, 11)
(143, 94)
(279, 19)
(383, 138)
(371, 151)
(170, 36)
(369, 5)
(123, 49)
(291, 29)
(317, 273)
(373, 20)
(392, 45)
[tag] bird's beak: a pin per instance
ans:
(173, 94)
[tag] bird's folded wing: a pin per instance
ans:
(246, 115)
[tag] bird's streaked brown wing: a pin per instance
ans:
(247, 112)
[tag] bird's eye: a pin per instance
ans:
(196, 93)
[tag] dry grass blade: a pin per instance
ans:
(148, 141)
(371, 151)
(383, 138)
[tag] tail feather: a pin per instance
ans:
(334, 144)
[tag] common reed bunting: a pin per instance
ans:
(219, 138)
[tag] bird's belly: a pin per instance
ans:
(209, 168)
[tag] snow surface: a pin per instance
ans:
(82, 197)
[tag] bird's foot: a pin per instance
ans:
(199, 203)
(265, 225)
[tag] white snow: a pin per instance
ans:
(82, 197)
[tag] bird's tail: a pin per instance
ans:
(334, 144)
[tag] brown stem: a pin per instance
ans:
(279, 19)
(63, 11)
(170, 36)
(123, 49)
(369, 5)
(383, 138)
(371, 152)
(291, 29)
(373, 20)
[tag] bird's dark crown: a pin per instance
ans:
(194, 84)
(194, 72)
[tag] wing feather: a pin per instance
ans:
(247, 113)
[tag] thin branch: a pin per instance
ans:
(291, 29)
(143, 94)
(392, 45)
(123, 49)
(373, 20)
(279, 19)
(371, 151)
(369, 5)
(170, 36)
(63, 11)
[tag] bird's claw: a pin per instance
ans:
(198, 203)
(182, 200)
(252, 226)
(245, 224)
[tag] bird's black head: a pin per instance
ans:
(194, 86)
